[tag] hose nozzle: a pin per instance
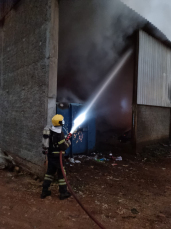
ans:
(68, 136)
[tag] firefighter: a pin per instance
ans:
(54, 141)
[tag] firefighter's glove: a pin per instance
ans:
(45, 151)
(69, 142)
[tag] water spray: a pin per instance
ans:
(81, 118)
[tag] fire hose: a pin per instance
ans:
(70, 189)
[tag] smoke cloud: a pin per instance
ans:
(92, 36)
(158, 12)
(67, 96)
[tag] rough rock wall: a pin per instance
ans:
(27, 63)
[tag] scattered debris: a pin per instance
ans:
(77, 161)
(129, 217)
(164, 145)
(35, 177)
(3, 160)
(96, 156)
(8, 158)
(118, 158)
(105, 206)
(134, 211)
(120, 211)
(104, 189)
(97, 202)
(109, 178)
(102, 159)
(153, 153)
(98, 160)
(169, 155)
(72, 160)
(81, 156)
(16, 169)
(161, 215)
(3, 163)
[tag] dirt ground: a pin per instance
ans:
(134, 194)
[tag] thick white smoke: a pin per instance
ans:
(158, 12)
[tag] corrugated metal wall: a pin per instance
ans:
(154, 72)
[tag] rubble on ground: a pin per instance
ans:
(6, 161)
(3, 162)
(100, 157)
(153, 153)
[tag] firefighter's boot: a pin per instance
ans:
(64, 195)
(45, 193)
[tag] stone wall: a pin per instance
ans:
(28, 62)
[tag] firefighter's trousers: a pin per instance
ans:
(53, 167)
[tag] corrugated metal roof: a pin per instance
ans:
(156, 33)
(154, 72)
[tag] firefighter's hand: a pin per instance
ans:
(45, 151)
(69, 142)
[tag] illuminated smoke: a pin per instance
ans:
(81, 118)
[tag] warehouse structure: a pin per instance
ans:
(28, 79)
(152, 100)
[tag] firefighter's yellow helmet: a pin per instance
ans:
(58, 120)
